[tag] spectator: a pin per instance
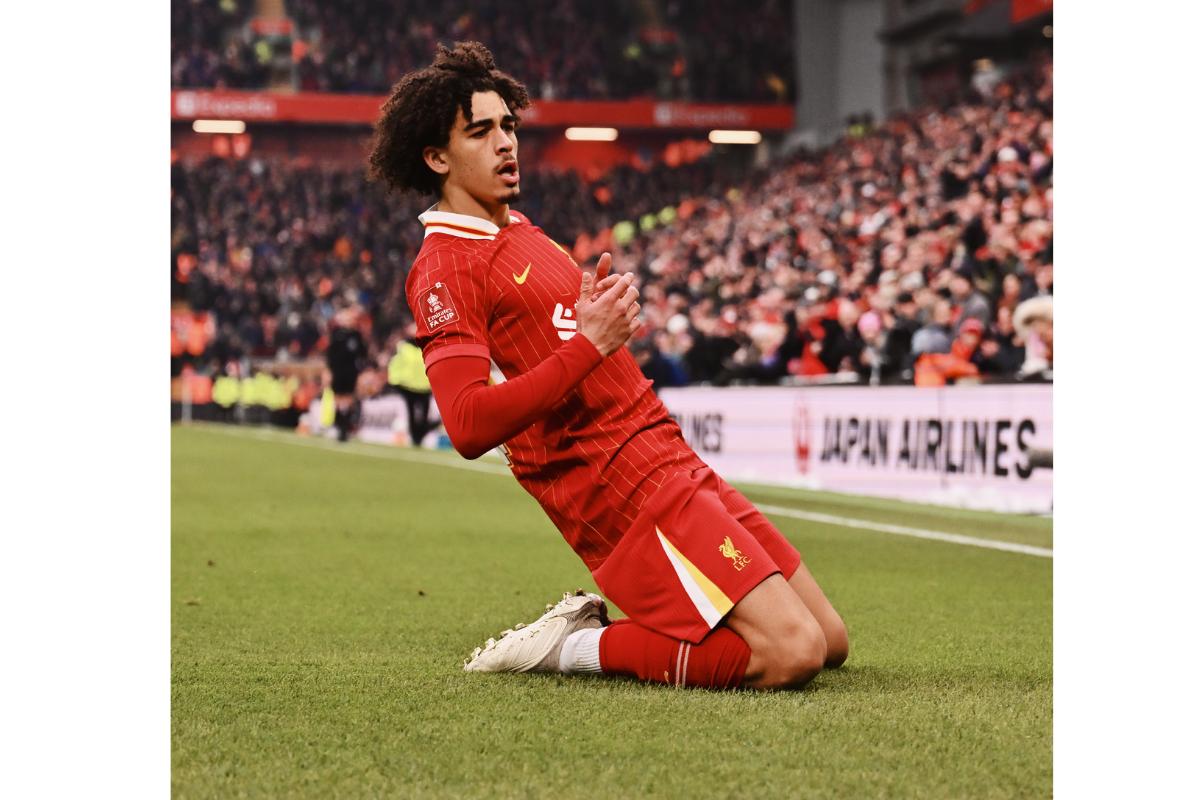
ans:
(842, 344)
(897, 355)
(713, 345)
(801, 345)
(347, 358)
(1034, 323)
(871, 358)
(657, 367)
(936, 335)
(999, 353)
(1010, 295)
(938, 369)
(970, 301)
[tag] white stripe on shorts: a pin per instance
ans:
(699, 599)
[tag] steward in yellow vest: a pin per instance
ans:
(407, 368)
(406, 373)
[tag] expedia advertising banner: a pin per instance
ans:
(973, 446)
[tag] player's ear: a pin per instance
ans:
(435, 159)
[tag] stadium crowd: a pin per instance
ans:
(560, 50)
(211, 46)
(275, 247)
(917, 252)
(921, 251)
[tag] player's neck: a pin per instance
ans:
(456, 201)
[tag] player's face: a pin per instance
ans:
(482, 153)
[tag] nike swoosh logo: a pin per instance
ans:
(520, 279)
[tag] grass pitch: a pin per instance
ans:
(323, 600)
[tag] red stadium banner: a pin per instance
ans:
(975, 6)
(1018, 11)
(341, 109)
(270, 107)
(659, 114)
(1027, 9)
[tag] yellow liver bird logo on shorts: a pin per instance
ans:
(733, 554)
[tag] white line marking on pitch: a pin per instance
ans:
(901, 530)
(496, 469)
(355, 449)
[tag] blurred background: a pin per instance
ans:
(812, 192)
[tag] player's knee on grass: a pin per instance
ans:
(794, 659)
(837, 643)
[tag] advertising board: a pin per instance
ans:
(971, 446)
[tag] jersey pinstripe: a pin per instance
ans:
(600, 454)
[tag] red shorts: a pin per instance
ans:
(697, 548)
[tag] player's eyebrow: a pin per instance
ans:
(485, 124)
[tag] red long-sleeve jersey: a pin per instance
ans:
(587, 437)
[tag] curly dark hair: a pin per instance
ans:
(422, 108)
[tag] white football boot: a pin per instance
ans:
(535, 647)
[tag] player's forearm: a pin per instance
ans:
(479, 417)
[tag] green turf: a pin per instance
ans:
(1019, 528)
(323, 601)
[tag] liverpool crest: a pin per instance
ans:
(733, 554)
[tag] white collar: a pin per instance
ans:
(461, 225)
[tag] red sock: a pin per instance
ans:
(718, 662)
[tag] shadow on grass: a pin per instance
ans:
(846, 680)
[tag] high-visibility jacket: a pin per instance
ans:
(225, 391)
(247, 394)
(328, 408)
(407, 368)
(287, 388)
(268, 390)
